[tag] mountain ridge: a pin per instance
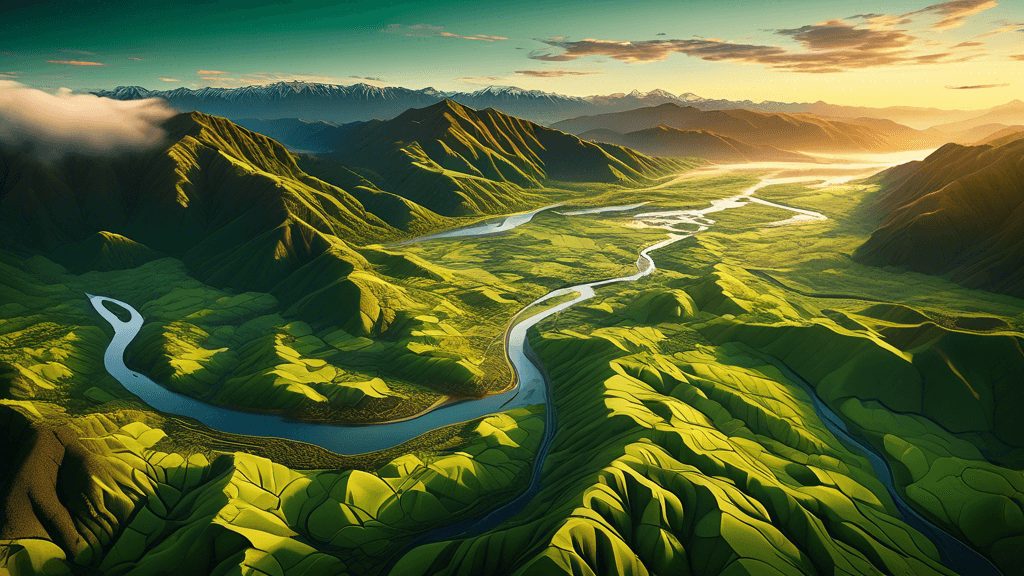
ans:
(360, 102)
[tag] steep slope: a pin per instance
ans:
(672, 142)
(789, 131)
(230, 203)
(959, 211)
(455, 160)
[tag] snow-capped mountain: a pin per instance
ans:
(338, 103)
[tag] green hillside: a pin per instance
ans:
(960, 211)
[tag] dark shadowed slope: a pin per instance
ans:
(233, 205)
(959, 211)
(455, 160)
(789, 131)
(672, 142)
(296, 134)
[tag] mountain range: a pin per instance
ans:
(337, 103)
(672, 142)
(242, 212)
(805, 132)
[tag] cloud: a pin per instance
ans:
(969, 44)
(838, 35)
(370, 78)
(165, 79)
(210, 72)
(483, 80)
(76, 62)
(1004, 27)
(8, 75)
(424, 30)
(134, 58)
(881, 21)
(553, 73)
(660, 34)
(83, 52)
(1018, 57)
(977, 86)
(51, 126)
(7, 53)
(955, 13)
(826, 47)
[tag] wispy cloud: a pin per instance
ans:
(553, 73)
(1018, 57)
(135, 58)
(977, 86)
(370, 78)
(165, 79)
(1004, 27)
(483, 80)
(76, 62)
(8, 75)
(436, 31)
(82, 52)
(862, 41)
(210, 72)
(954, 14)
(969, 45)
(7, 53)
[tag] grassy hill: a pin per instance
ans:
(788, 131)
(959, 211)
(671, 142)
(455, 160)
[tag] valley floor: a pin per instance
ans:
(686, 438)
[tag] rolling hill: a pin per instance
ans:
(455, 160)
(960, 212)
(672, 142)
(783, 130)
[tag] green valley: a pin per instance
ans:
(683, 429)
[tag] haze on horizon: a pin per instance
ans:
(957, 54)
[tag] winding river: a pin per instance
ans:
(532, 385)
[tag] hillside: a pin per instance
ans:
(960, 211)
(783, 130)
(672, 142)
(1003, 136)
(231, 203)
(1011, 113)
(455, 160)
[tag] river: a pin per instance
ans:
(532, 386)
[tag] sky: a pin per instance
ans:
(963, 54)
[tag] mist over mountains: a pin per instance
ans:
(336, 103)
